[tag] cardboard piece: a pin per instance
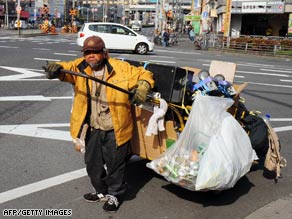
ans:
(238, 88)
(192, 69)
(227, 69)
(150, 147)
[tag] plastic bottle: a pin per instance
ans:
(266, 119)
(79, 145)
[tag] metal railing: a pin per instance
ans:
(262, 45)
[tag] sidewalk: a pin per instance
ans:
(280, 209)
(25, 32)
(185, 43)
(22, 31)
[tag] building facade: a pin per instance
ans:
(247, 17)
(261, 17)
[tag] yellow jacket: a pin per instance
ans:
(121, 74)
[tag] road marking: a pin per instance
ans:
(41, 49)
(46, 59)
(160, 61)
(65, 54)
(34, 79)
(38, 131)
(281, 119)
(24, 73)
(168, 57)
(250, 64)
(264, 84)
(283, 129)
(285, 80)
(41, 185)
(263, 73)
(9, 47)
(180, 52)
(276, 70)
(32, 98)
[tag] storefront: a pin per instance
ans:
(261, 17)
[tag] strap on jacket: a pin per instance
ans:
(81, 67)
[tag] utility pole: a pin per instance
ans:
(156, 15)
(18, 16)
(6, 15)
(227, 19)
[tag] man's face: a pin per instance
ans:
(93, 58)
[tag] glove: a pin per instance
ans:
(140, 92)
(52, 70)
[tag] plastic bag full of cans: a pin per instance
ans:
(182, 168)
(181, 163)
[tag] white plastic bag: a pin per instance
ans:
(228, 158)
(212, 152)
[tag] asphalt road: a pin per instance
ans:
(41, 170)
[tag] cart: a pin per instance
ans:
(172, 83)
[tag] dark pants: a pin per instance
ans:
(101, 148)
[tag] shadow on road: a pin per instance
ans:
(137, 176)
(213, 198)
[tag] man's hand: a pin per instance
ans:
(140, 92)
(52, 70)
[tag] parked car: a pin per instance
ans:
(116, 37)
(136, 26)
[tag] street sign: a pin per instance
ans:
(205, 14)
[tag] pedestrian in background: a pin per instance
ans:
(107, 112)
(165, 38)
(192, 35)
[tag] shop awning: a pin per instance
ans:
(24, 14)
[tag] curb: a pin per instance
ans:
(36, 34)
(280, 209)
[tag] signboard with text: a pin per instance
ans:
(253, 7)
(258, 7)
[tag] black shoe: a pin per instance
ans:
(112, 204)
(94, 197)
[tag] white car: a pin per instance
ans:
(136, 26)
(115, 37)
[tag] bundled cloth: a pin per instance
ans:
(156, 121)
(213, 151)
